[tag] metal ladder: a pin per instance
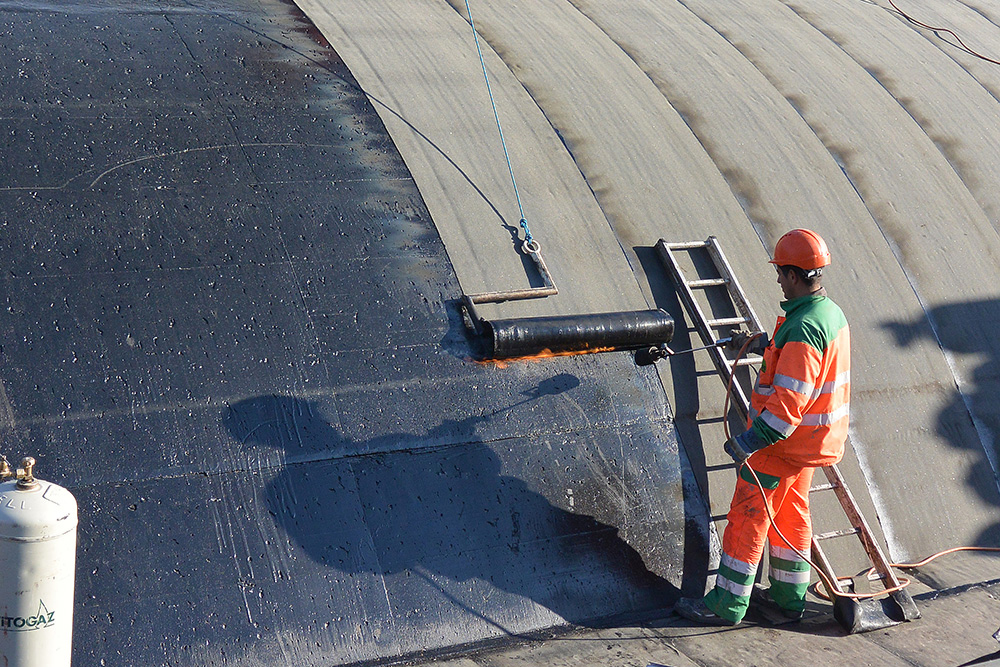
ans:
(899, 606)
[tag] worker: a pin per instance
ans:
(798, 422)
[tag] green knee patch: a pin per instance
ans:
(769, 482)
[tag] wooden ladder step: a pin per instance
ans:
(727, 322)
(686, 245)
(823, 487)
(707, 282)
(836, 533)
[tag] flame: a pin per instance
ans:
(543, 354)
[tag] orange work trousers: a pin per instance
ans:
(749, 527)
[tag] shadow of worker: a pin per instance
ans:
(429, 522)
(971, 422)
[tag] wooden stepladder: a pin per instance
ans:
(854, 614)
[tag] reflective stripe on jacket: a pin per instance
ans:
(801, 399)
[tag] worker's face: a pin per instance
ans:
(787, 282)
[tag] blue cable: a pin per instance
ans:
(524, 222)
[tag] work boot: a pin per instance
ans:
(695, 610)
(762, 597)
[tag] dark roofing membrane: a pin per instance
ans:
(229, 328)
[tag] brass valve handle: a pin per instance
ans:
(26, 474)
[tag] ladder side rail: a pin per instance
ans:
(868, 542)
(739, 399)
(734, 287)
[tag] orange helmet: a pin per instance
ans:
(803, 248)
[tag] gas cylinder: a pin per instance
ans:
(37, 569)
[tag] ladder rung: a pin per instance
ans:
(823, 487)
(709, 420)
(727, 322)
(687, 245)
(707, 282)
(836, 533)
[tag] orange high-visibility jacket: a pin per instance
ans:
(801, 400)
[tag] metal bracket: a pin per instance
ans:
(534, 250)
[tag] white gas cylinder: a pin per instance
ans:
(37, 570)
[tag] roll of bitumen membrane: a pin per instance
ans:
(530, 336)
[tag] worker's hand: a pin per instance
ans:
(743, 445)
(734, 450)
(737, 339)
